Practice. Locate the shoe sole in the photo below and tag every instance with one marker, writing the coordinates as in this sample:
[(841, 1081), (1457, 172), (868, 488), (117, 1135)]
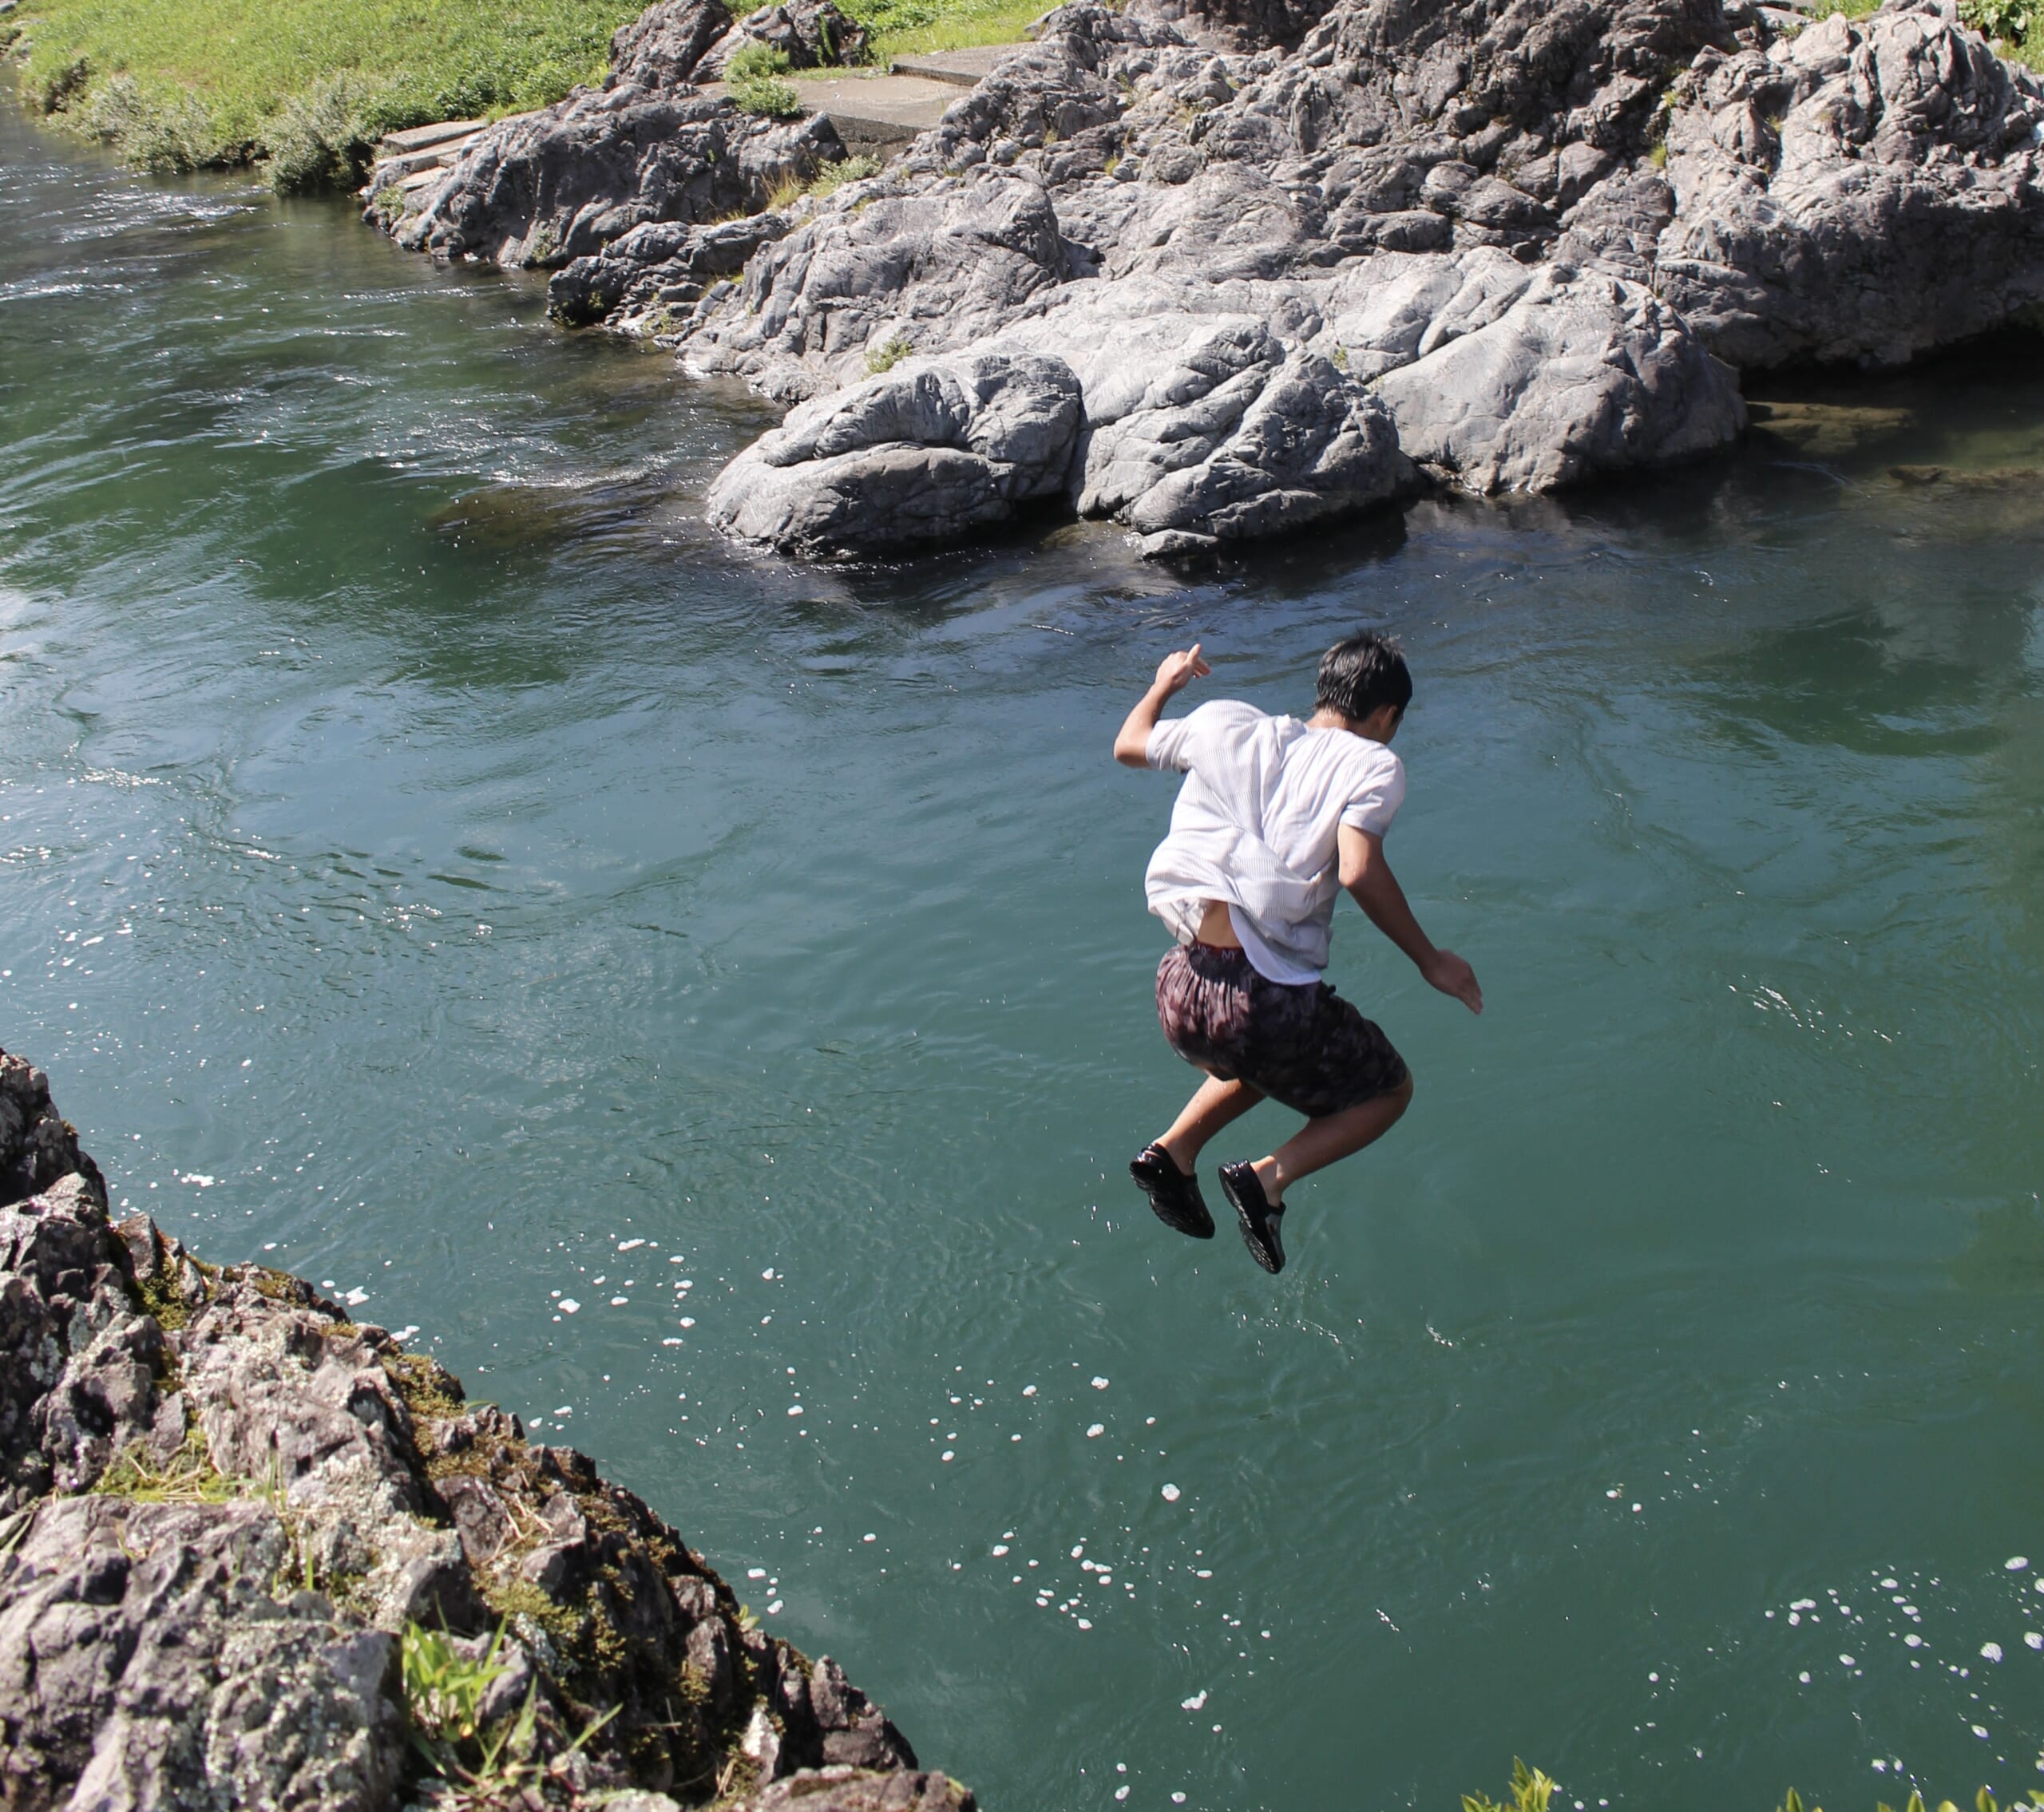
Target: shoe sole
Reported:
[(1243, 1217)]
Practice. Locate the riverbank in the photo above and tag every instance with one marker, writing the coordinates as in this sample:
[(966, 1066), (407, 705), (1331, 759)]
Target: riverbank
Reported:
[(305, 89), (318, 1575)]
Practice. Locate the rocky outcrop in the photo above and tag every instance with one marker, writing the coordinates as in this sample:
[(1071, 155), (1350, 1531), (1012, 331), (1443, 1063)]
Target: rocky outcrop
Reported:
[(227, 1514), (1542, 238), (1531, 241), (812, 34), (648, 148), (912, 455), (1864, 192)]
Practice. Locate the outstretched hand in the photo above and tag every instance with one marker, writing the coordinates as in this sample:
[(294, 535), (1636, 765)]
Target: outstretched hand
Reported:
[(1451, 975), (1176, 672)]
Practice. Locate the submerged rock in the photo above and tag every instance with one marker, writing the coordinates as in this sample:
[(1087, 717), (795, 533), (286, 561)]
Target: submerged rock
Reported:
[(224, 1505)]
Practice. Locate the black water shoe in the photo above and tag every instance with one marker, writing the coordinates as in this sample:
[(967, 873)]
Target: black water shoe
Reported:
[(1173, 1195), (1253, 1209)]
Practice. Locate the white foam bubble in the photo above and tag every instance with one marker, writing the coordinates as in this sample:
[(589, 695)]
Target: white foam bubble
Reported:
[(1171, 1493), (1195, 1703), (1099, 1384), (570, 1306), (1094, 1432), (1990, 1651)]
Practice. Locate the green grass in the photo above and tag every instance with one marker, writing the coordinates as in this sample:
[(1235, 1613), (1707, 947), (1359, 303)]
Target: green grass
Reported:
[(307, 86), (910, 27), (1531, 1790), (221, 81)]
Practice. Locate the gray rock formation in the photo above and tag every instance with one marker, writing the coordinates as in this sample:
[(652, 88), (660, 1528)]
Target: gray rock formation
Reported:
[(1543, 238), (225, 1509), (1864, 192), (812, 34), (647, 148), (918, 454), (1538, 239)]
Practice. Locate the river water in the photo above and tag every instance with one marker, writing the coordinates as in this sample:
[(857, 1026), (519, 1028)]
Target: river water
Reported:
[(692, 991)]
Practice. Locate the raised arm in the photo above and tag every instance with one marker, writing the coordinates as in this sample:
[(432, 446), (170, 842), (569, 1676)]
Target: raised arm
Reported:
[(1174, 675), (1367, 877)]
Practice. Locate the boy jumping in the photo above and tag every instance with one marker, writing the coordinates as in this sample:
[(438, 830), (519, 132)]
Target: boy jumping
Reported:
[(1274, 813)]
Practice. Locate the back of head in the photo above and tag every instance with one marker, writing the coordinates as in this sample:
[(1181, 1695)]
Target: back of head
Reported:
[(1361, 674)]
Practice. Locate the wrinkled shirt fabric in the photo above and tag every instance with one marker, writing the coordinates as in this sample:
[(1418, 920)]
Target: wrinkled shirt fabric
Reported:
[(1257, 824)]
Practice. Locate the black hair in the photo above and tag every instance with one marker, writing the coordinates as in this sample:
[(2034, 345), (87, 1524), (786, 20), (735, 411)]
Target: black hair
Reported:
[(1358, 676)]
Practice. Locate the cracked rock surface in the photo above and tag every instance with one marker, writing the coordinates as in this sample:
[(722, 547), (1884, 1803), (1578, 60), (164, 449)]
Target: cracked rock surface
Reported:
[(221, 1503)]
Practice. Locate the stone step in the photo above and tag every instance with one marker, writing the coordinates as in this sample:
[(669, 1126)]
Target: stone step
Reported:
[(871, 114), (437, 157), (418, 138), (962, 69)]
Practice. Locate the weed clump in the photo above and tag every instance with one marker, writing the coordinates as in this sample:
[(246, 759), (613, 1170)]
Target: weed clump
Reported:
[(169, 135), (325, 138), (483, 1765), (1530, 1791), (834, 176), (756, 78), (887, 355), (187, 1477)]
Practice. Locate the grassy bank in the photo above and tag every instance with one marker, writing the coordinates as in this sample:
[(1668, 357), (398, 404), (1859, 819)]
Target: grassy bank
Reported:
[(180, 83), (305, 87)]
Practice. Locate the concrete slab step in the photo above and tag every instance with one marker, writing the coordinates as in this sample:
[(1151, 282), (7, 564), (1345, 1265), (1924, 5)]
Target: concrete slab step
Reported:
[(871, 112), (436, 157), (962, 69), (418, 138)]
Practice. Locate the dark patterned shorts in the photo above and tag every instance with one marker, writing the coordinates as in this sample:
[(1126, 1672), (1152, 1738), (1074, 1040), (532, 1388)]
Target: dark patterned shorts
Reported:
[(1304, 1046)]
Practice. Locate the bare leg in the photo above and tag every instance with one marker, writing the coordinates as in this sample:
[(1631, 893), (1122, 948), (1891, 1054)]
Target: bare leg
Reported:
[(1326, 1141), (1213, 1106)]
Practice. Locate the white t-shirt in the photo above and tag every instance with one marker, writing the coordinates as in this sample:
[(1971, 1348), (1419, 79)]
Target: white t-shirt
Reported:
[(1257, 824)]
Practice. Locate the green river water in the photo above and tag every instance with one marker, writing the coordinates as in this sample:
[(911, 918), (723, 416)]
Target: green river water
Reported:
[(429, 862)]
